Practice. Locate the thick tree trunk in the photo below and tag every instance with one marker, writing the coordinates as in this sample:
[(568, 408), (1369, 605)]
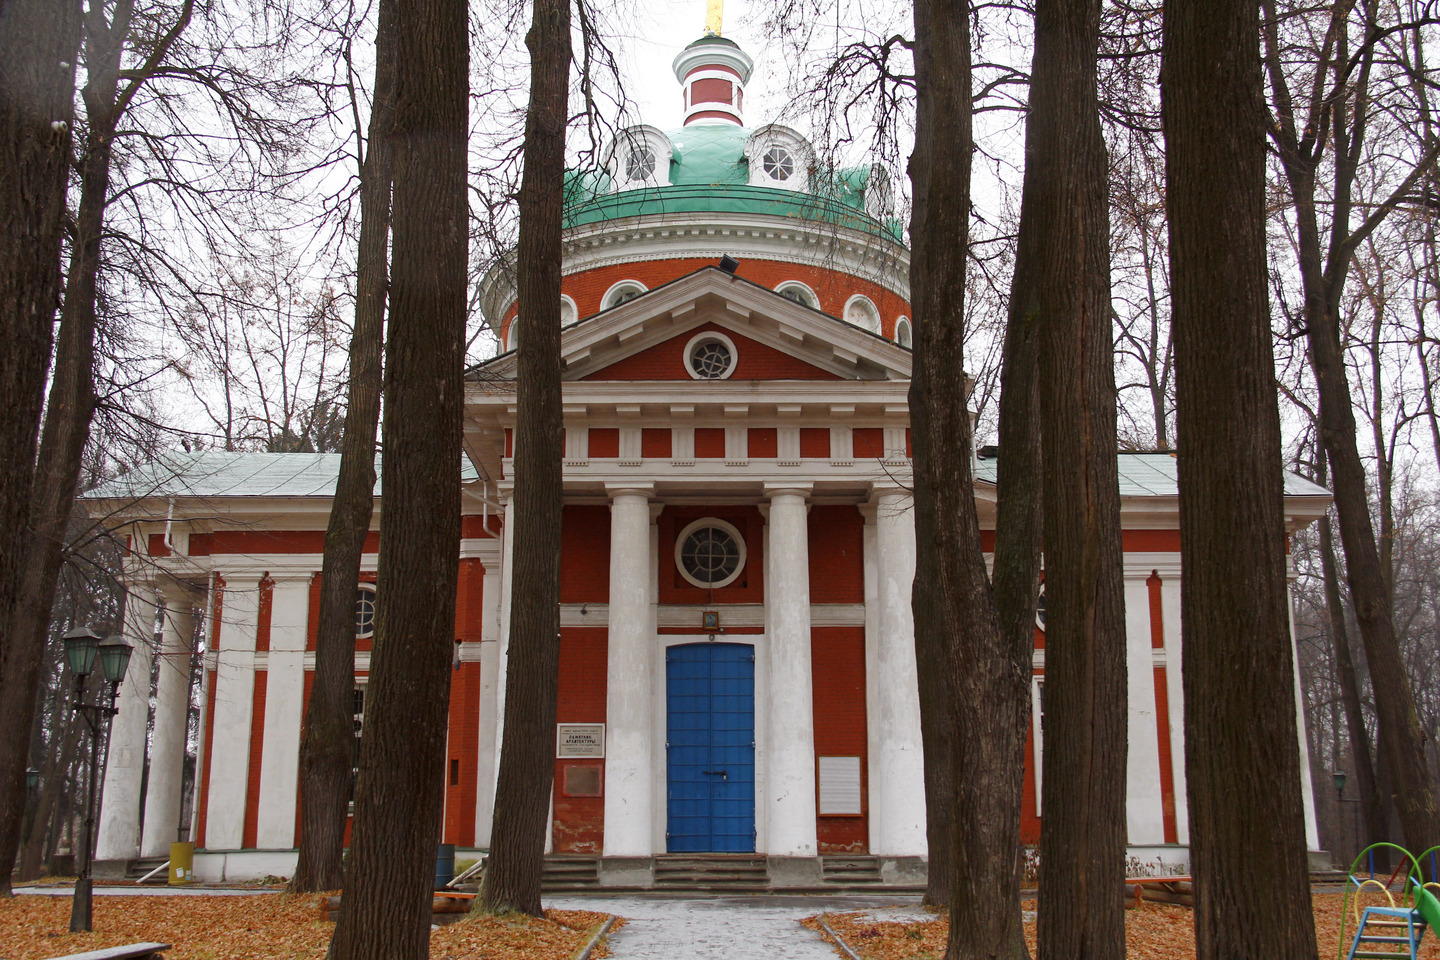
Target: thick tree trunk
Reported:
[(957, 628), (1360, 753), (39, 40), (1242, 750), (398, 800), (1065, 243), (328, 743), (522, 789)]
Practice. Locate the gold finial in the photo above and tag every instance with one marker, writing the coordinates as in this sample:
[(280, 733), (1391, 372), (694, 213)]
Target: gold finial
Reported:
[(713, 9)]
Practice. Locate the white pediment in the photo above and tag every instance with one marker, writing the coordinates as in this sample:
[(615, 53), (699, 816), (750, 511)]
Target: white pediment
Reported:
[(712, 296)]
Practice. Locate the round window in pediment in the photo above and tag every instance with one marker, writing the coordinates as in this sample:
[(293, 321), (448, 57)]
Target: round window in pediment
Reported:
[(778, 163), (640, 164), (710, 356), (710, 553)]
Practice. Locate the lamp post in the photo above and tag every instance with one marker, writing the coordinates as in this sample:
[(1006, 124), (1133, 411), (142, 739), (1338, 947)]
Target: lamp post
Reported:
[(1339, 778), (82, 647)]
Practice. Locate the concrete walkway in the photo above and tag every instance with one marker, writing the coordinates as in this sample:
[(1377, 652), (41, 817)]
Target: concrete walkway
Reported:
[(735, 928)]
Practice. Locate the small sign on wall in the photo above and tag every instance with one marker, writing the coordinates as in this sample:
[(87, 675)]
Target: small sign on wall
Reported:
[(579, 740), (840, 787)]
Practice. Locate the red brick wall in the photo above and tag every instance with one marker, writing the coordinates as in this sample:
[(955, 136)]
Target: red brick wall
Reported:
[(604, 442), (585, 553), (469, 588), (580, 821), (157, 545), (762, 443), (265, 614), (312, 623), (747, 588), (709, 443), (868, 443), (753, 361), (462, 755), (209, 739), (836, 538), (267, 541), (837, 659), (832, 287), (655, 442), (257, 746), (815, 442)]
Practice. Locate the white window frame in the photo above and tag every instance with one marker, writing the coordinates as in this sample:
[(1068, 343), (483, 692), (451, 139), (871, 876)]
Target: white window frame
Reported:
[(811, 300), (706, 337), (859, 302), (907, 341), (607, 301), (700, 524)]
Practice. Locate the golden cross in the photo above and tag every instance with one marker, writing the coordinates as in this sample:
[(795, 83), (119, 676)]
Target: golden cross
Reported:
[(713, 9)]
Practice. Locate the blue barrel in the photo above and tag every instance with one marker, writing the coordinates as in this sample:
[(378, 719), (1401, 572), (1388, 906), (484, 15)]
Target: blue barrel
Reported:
[(444, 865)]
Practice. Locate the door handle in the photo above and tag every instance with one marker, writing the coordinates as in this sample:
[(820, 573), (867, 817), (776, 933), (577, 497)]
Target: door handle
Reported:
[(720, 773)]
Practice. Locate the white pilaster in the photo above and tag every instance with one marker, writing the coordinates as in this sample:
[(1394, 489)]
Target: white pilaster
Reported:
[(630, 682), (284, 705), (167, 743), (790, 781), (1144, 805), (507, 570), (234, 695), (118, 832), (489, 664), (897, 762)]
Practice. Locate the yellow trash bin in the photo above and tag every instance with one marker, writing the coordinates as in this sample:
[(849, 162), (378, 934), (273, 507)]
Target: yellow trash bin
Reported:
[(182, 862)]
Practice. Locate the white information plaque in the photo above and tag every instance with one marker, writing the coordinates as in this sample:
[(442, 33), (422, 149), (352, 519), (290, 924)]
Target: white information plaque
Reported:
[(579, 740), (839, 786)]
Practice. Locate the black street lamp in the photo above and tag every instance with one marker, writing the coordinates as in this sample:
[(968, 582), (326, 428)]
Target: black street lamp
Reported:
[(82, 647)]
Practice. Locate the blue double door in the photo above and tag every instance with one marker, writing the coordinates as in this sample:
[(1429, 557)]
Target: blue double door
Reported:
[(710, 747)]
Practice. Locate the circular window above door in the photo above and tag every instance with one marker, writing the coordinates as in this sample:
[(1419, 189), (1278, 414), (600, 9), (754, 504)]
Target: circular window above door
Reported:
[(710, 553)]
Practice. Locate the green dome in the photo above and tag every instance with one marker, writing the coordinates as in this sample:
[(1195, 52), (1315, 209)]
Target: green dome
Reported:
[(709, 173)]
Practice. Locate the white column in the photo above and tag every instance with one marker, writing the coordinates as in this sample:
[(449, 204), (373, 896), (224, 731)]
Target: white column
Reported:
[(1144, 805), (507, 571), (897, 761), (284, 706), (790, 781), (167, 744), (118, 832), (1307, 785), (630, 683), (234, 695), (486, 754)]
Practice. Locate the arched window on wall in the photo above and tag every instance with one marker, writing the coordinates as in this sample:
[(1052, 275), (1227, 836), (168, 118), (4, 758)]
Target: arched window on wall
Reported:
[(621, 292), (860, 311), (800, 293), (512, 333), (903, 334)]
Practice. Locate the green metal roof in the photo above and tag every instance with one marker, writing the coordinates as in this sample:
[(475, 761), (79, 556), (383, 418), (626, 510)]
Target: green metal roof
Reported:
[(1153, 475), (218, 473)]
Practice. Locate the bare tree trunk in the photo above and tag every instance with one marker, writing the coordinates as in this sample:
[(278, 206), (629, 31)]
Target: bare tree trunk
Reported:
[(957, 628), (1242, 749), (328, 743), (39, 40), (386, 908), (522, 789), (1082, 840)]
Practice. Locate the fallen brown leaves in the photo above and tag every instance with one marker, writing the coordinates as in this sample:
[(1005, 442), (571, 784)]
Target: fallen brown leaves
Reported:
[(271, 926), (1152, 932)]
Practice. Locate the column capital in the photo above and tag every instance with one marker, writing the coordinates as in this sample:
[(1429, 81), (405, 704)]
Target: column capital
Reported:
[(884, 489), (788, 488), (630, 488)]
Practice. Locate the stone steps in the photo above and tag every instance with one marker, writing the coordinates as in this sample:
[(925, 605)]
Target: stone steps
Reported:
[(717, 873), (855, 871)]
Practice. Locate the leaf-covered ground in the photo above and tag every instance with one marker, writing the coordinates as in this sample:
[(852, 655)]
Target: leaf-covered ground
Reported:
[(265, 926), (1152, 932)]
